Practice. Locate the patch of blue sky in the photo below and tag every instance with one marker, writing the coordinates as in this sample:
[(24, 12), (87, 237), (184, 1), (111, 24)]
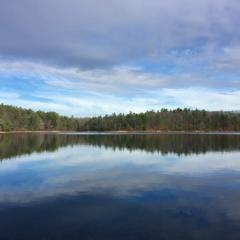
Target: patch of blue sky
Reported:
[(20, 82), (177, 61), (162, 67), (30, 86)]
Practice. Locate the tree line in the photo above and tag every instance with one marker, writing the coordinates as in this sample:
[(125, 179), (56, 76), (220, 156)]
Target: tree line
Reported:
[(167, 120), (15, 118)]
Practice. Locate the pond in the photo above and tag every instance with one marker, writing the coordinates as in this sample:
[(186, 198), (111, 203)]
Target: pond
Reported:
[(119, 186)]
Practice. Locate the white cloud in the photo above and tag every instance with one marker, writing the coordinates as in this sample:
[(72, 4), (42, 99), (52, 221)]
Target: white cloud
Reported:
[(205, 98), (72, 91), (93, 104)]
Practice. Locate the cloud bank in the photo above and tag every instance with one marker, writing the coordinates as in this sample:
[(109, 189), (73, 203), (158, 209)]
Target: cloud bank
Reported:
[(105, 56)]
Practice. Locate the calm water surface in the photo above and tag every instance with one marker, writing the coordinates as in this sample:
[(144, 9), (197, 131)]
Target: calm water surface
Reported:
[(142, 186)]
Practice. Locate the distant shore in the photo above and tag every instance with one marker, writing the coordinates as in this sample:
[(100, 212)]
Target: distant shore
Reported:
[(15, 120), (121, 132), (28, 131)]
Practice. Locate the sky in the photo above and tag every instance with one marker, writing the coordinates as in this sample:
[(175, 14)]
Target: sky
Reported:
[(96, 57)]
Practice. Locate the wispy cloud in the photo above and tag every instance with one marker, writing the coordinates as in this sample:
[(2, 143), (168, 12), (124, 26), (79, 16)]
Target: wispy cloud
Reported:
[(90, 104)]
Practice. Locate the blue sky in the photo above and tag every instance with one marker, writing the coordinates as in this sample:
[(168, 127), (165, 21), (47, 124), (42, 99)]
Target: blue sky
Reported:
[(94, 57)]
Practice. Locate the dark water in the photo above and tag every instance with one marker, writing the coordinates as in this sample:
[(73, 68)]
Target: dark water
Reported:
[(170, 186)]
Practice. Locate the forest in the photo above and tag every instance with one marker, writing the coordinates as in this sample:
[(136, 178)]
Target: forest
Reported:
[(19, 119)]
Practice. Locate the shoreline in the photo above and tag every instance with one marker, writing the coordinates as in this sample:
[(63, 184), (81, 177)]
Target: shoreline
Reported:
[(29, 131), (119, 132)]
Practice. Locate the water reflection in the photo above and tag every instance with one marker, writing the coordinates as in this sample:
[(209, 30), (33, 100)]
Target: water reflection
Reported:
[(17, 144), (119, 186)]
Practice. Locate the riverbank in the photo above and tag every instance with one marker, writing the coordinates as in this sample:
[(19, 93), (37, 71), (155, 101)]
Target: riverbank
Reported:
[(23, 131), (120, 132)]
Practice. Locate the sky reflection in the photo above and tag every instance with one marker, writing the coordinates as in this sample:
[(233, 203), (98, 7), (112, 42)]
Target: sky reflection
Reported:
[(84, 168)]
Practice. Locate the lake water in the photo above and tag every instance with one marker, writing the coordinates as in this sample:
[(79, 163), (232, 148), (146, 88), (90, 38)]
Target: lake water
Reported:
[(127, 186)]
